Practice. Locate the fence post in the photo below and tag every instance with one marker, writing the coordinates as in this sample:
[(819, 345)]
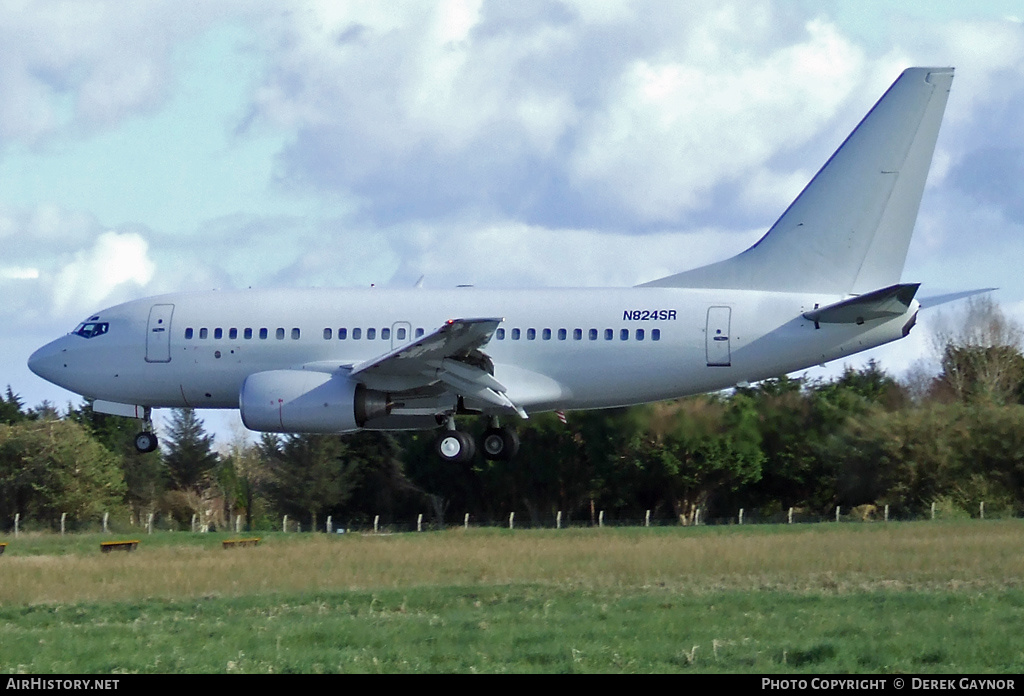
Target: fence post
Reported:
[(284, 524), (106, 516), (330, 526), (149, 523), (600, 519), (511, 520), (933, 509), (886, 512), (193, 523), (558, 520), (791, 516), (17, 521), (419, 522), (238, 523), (837, 513), (981, 510), (376, 523), (741, 515), (647, 519), (465, 522), (63, 518)]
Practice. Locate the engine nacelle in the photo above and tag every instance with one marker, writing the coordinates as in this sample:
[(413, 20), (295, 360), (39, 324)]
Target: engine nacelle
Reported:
[(297, 401)]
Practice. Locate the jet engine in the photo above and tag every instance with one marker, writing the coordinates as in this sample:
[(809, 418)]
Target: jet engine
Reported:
[(281, 401)]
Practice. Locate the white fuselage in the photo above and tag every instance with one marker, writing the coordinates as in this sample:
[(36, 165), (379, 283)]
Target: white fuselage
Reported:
[(555, 348)]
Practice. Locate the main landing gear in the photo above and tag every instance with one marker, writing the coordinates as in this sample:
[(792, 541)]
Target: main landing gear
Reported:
[(497, 443), (146, 441)]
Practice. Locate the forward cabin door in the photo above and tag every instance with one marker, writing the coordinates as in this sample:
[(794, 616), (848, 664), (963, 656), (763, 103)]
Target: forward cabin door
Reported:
[(717, 337), (158, 334)]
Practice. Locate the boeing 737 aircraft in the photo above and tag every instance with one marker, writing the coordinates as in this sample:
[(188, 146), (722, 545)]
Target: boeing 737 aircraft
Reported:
[(823, 283)]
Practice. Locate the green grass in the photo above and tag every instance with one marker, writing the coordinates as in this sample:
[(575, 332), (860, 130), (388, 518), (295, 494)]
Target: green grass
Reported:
[(524, 628), (906, 598)]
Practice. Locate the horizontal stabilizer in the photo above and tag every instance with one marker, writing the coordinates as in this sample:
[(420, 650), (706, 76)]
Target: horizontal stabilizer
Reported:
[(936, 300), (886, 303)]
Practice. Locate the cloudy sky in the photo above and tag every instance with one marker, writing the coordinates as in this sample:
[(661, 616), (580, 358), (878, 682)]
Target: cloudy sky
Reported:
[(156, 146)]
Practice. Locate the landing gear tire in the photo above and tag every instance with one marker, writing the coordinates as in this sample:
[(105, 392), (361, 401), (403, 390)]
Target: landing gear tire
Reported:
[(499, 443), (455, 446), (145, 442)]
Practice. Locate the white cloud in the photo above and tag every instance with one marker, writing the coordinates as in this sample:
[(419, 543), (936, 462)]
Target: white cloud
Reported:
[(675, 129), (94, 275), (89, 64)]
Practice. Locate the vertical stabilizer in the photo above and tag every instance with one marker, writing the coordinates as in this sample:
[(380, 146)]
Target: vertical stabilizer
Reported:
[(848, 231)]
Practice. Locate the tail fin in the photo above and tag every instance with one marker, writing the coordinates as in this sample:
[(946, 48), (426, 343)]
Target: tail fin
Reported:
[(849, 230)]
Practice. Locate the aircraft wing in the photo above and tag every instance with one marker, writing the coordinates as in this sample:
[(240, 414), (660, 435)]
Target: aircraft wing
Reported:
[(450, 355)]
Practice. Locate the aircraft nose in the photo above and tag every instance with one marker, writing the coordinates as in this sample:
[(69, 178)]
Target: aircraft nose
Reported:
[(48, 360)]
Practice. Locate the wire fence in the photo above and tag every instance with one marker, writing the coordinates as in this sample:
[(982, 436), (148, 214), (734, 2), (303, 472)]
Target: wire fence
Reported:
[(154, 522)]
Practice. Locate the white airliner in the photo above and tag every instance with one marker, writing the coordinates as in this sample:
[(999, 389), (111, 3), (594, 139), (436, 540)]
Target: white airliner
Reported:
[(823, 283)]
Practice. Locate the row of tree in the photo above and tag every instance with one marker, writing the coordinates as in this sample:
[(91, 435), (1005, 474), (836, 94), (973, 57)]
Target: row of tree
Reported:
[(956, 438)]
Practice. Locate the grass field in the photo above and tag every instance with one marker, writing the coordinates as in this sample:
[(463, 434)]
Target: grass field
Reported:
[(921, 597)]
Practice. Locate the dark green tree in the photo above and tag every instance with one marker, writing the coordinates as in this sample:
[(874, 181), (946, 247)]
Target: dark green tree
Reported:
[(189, 457), (49, 467), (308, 474), (11, 410), (144, 474)]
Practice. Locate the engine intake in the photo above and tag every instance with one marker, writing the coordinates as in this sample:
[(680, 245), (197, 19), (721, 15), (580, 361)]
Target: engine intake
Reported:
[(297, 401)]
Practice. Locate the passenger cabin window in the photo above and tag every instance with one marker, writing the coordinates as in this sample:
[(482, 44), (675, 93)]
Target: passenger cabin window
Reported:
[(218, 334), (624, 334), (655, 334), (263, 334), (639, 334), (232, 334), (501, 334), (342, 334), (609, 334), (385, 334), (546, 334), (371, 334), (577, 334), (188, 334), (419, 333), (515, 334), (280, 334), (203, 333), (247, 334), (327, 334), (357, 334), (400, 334), (593, 334), (561, 334), (295, 334), (531, 334)]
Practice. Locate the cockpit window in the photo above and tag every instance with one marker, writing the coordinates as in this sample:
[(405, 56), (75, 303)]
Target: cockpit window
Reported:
[(91, 329)]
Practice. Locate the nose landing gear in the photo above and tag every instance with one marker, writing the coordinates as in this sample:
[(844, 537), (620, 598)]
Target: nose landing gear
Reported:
[(146, 441)]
